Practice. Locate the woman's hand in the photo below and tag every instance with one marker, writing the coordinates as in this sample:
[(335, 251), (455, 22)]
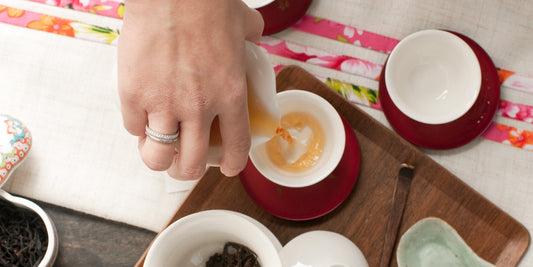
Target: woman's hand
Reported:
[(180, 65)]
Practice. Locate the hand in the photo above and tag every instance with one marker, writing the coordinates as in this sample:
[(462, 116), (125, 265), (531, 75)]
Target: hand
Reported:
[(181, 65)]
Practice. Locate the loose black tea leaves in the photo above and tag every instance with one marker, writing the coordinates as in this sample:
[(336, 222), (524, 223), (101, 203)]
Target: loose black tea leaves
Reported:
[(234, 255), (23, 236)]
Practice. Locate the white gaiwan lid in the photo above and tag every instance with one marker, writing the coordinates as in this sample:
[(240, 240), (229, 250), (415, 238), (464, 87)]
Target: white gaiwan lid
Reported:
[(321, 249)]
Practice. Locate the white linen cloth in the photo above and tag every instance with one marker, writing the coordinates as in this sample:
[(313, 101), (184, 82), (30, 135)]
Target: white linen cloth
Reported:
[(64, 90)]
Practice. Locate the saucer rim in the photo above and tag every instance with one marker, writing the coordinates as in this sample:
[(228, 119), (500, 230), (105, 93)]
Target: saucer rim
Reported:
[(294, 214), (277, 19), (449, 135), (442, 118)]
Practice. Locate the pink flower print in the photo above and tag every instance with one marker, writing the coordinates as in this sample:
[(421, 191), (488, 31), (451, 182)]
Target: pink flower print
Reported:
[(516, 111)]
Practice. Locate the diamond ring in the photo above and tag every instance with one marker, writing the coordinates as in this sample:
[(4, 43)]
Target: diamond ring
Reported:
[(162, 138)]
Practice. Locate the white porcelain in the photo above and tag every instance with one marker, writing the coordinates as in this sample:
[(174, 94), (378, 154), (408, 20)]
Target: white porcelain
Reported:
[(432, 242), (53, 241), (257, 3), (322, 249), (335, 139), (433, 76), (262, 80), (191, 240)]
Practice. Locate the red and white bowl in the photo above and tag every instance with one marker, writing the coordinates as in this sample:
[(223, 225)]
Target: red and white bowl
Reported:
[(425, 121)]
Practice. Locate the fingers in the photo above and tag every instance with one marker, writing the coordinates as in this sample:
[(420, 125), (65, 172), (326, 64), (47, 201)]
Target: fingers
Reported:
[(156, 155), (134, 119), (189, 162), (254, 25), (157, 72), (235, 132)]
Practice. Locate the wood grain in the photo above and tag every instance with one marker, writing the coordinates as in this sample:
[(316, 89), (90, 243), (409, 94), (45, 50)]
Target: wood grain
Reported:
[(363, 216), (401, 192)]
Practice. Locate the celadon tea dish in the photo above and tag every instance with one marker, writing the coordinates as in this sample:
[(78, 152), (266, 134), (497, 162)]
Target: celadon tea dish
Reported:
[(432, 242)]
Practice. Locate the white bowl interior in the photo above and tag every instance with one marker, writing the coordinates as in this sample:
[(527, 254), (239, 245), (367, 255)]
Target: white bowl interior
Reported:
[(335, 138), (433, 76), (190, 241)]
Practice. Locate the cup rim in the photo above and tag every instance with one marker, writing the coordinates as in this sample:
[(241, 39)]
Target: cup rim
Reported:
[(460, 47), (215, 216), (312, 175)]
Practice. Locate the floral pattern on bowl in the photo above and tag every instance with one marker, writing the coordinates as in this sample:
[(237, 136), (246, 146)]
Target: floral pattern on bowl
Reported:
[(15, 143)]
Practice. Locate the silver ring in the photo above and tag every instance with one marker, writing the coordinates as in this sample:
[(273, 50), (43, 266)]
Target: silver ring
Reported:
[(162, 138)]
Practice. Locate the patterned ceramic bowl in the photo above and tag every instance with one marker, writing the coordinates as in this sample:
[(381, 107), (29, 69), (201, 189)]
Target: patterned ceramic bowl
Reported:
[(15, 143)]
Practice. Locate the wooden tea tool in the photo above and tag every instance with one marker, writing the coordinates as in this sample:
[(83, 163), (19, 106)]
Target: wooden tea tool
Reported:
[(395, 217)]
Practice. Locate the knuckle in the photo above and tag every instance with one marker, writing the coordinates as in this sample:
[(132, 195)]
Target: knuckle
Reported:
[(241, 146), (191, 172), (197, 101), (155, 158), (155, 165), (232, 169), (235, 159), (129, 93), (236, 93)]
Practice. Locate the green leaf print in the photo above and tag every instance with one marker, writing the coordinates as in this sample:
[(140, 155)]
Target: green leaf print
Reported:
[(353, 92), (342, 39)]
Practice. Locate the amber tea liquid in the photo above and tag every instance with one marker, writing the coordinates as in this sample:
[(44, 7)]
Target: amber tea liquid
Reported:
[(299, 142), (296, 141), (262, 123)]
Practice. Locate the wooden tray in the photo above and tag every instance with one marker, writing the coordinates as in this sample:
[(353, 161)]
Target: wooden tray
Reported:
[(363, 216)]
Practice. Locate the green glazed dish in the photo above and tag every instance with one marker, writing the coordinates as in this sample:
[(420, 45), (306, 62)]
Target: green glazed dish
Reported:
[(433, 242)]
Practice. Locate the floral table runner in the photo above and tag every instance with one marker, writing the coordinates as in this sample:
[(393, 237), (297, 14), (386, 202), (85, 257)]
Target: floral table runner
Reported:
[(497, 132)]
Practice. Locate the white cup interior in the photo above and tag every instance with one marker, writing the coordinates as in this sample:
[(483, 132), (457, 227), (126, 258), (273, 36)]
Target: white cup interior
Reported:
[(192, 240), (335, 138), (433, 76), (257, 3)]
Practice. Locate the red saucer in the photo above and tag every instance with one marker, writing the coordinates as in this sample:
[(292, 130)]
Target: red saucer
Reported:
[(460, 131), (281, 14), (307, 202)]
